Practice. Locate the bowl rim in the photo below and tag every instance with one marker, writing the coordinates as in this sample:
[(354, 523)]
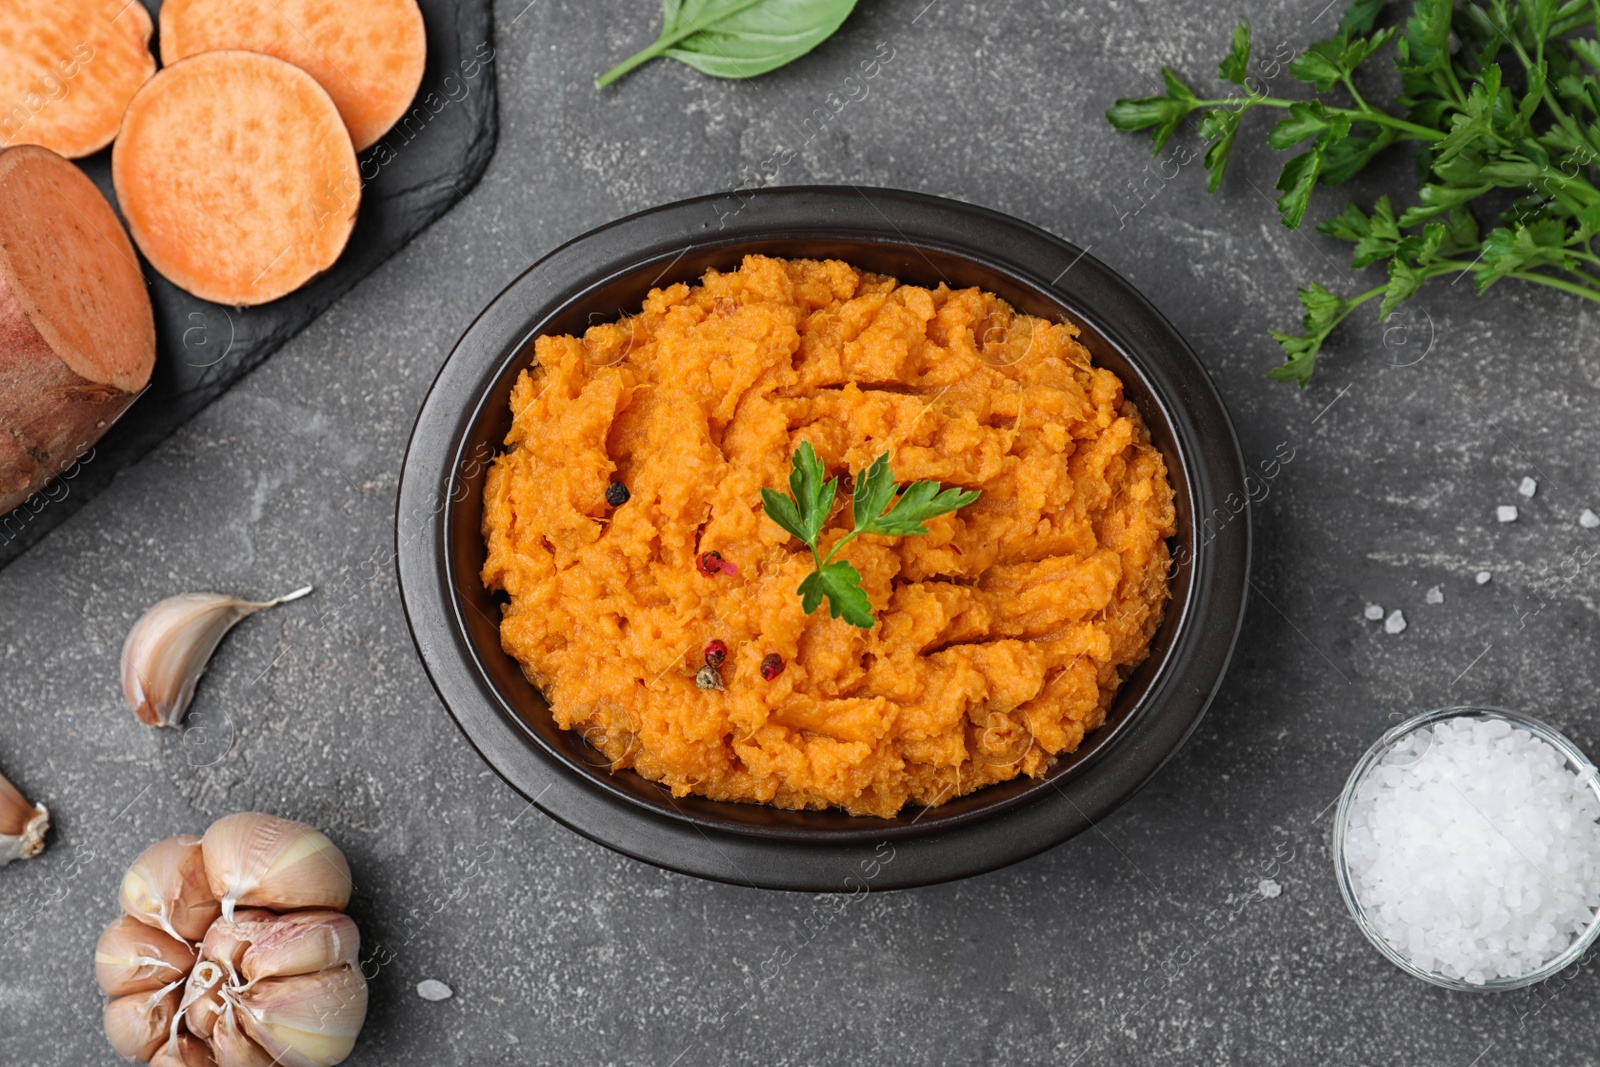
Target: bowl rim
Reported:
[(931, 225), (1577, 760)]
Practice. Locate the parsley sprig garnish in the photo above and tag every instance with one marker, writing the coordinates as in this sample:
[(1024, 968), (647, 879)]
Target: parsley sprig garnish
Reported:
[(1532, 127), (804, 512)]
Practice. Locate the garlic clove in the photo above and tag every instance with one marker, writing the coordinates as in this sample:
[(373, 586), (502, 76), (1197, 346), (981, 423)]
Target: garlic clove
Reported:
[(131, 957), (301, 943), (232, 1047), (167, 888), (263, 860), (22, 825), (227, 939), (183, 1050), (137, 1024), (170, 646), (306, 1020)]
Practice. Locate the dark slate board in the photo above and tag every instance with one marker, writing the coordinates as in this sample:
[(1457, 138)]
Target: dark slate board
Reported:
[(417, 172)]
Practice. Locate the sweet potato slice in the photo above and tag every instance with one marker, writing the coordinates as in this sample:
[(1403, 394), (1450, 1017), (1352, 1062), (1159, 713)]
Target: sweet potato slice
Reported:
[(236, 176), (77, 336), (68, 69), (368, 55)]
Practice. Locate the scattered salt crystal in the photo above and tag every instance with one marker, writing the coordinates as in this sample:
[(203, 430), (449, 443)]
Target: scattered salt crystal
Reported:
[(1528, 487), (1435, 595), (1395, 622), (433, 989), (1473, 849), (1268, 888), (1506, 513), (1588, 520), (1373, 612), (1482, 577)]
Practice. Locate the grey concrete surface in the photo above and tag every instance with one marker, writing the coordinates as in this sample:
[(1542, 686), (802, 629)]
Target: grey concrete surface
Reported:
[(1144, 942)]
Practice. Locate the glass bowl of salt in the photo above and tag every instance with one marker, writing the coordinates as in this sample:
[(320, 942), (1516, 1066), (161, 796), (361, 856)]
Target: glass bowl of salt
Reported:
[(1467, 848)]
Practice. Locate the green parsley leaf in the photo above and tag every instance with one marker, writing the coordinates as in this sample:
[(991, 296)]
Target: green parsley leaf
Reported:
[(1235, 66), (1360, 16), (840, 583), (804, 513)]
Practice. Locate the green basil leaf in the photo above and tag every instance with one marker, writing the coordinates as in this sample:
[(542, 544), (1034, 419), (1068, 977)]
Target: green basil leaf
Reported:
[(1235, 66), (738, 38)]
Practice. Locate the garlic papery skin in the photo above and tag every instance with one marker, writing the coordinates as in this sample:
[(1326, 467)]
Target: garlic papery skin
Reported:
[(232, 1047), (170, 646), (276, 863), (131, 957), (305, 1020), (137, 1024), (202, 998), (167, 887), (183, 1050), (300, 943), (22, 825)]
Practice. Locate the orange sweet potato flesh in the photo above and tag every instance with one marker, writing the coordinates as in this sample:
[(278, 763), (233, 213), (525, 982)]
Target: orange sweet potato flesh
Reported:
[(68, 69), (236, 175), (77, 335), (368, 55)]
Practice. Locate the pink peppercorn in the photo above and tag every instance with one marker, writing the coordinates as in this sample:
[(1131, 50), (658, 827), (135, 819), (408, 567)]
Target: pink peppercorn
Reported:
[(771, 666), (709, 563), (716, 652)]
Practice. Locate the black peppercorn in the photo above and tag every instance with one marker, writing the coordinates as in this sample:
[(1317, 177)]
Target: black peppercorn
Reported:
[(616, 494)]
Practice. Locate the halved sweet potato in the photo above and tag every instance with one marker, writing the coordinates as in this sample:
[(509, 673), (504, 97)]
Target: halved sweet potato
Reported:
[(68, 69), (236, 176), (77, 336), (368, 55)]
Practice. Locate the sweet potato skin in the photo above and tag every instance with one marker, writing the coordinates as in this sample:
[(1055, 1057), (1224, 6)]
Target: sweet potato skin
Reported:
[(77, 333), (68, 69), (368, 56)]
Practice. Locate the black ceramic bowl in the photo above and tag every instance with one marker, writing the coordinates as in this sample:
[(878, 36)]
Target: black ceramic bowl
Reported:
[(919, 239)]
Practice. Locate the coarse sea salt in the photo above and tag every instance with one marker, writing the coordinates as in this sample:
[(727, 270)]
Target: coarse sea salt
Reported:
[(1473, 849)]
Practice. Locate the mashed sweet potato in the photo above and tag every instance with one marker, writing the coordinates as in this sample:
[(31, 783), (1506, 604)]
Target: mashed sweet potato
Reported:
[(1002, 634)]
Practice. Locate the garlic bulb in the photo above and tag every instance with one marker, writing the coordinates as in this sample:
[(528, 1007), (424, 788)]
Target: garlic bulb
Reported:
[(274, 863), (137, 1024), (168, 649), (231, 982), (305, 1020), (22, 825), (183, 1050), (131, 957), (167, 888)]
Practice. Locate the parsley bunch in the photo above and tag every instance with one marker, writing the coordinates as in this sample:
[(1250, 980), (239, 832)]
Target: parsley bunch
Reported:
[(1501, 100), (804, 512)]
